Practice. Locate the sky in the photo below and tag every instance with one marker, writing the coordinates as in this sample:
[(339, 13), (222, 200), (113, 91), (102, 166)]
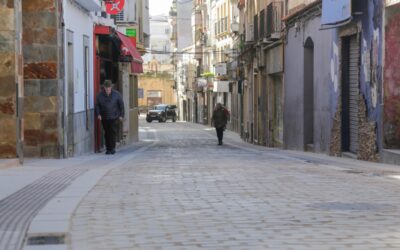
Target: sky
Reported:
[(158, 7)]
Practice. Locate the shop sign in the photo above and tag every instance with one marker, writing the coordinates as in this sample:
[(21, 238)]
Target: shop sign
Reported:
[(220, 69), (113, 7)]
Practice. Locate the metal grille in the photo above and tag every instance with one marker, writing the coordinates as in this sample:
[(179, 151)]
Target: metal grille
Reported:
[(354, 92)]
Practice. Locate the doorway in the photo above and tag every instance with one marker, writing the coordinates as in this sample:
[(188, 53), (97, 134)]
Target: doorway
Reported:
[(309, 94), (277, 136), (350, 93)]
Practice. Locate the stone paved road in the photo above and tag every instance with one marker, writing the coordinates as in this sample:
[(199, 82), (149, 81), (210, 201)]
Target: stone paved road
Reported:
[(185, 192)]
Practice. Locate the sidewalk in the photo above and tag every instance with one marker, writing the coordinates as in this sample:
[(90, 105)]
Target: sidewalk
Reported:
[(42, 194), (8, 163)]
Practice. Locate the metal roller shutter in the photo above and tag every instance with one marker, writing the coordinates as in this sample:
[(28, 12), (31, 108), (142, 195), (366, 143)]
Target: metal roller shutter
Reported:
[(354, 92)]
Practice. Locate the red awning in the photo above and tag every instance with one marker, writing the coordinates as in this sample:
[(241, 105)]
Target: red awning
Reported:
[(137, 61), (102, 30)]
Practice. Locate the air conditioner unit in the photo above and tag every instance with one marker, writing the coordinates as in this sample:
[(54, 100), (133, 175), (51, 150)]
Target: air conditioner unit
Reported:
[(266, 40)]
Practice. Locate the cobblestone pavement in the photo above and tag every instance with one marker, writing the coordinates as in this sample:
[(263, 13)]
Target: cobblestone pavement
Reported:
[(185, 192)]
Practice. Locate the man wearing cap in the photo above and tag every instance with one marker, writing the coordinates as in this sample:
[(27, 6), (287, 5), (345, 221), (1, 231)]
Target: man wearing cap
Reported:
[(109, 110)]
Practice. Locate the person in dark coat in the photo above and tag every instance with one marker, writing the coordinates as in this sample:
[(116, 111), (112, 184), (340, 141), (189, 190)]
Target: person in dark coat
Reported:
[(109, 110), (219, 119)]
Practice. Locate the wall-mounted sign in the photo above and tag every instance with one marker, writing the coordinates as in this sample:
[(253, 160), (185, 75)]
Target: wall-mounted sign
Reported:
[(131, 33), (220, 69), (221, 86), (201, 82), (140, 93), (336, 12), (114, 7)]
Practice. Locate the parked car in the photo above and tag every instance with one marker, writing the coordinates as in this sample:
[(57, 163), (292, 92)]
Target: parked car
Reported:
[(162, 113)]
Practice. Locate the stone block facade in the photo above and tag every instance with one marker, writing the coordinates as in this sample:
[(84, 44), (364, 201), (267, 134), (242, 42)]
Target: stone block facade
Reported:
[(42, 58), (8, 73)]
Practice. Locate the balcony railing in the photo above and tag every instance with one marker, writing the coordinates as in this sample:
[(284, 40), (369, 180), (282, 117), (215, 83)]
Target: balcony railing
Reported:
[(274, 23), (221, 26)]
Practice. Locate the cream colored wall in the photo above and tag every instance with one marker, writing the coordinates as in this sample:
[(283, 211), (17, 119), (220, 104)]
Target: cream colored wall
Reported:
[(293, 4), (159, 84)]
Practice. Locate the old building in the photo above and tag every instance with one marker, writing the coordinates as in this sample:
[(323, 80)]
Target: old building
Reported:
[(60, 45), (181, 39), (156, 89), (391, 83), (333, 78), (307, 106)]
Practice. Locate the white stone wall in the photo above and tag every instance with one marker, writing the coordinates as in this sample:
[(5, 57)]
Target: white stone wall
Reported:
[(80, 22)]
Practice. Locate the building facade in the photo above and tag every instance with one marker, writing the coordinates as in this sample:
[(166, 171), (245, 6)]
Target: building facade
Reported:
[(54, 51), (11, 82)]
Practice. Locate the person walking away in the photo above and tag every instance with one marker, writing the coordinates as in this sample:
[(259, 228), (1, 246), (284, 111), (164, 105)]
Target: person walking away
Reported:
[(219, 119), (109, 110)]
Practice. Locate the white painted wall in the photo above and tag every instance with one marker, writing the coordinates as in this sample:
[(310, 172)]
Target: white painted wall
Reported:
[(160, 40), (80, 22)]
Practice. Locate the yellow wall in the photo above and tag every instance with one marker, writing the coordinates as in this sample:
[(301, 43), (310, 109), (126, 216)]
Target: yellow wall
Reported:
[(163, 84)]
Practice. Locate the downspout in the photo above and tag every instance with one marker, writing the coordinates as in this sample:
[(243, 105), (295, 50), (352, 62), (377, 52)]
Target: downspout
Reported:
[(19, 81)]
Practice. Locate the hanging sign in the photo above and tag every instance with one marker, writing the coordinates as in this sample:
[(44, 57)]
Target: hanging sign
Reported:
[(114, 7)]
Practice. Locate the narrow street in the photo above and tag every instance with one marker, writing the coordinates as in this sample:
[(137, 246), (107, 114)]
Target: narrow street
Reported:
[(185, 192), (177, 189)]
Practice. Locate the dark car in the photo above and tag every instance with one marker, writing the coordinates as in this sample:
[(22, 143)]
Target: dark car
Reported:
[(162, 113)]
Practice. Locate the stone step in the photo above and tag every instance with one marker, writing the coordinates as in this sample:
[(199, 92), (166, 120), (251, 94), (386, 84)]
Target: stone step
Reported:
[(391, 156), (8, 163)]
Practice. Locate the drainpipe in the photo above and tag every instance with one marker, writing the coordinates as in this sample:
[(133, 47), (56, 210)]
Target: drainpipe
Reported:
[(19, 81)]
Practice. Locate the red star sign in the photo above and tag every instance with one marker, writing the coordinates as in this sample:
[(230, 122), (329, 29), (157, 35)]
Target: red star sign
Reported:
[(114, 7)]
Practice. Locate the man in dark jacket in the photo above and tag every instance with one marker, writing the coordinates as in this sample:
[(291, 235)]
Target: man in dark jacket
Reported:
[(109, 110), (219, 119)]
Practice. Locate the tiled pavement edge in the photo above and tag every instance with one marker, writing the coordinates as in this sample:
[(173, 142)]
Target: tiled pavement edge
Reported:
[(54, 218), (26, 189)]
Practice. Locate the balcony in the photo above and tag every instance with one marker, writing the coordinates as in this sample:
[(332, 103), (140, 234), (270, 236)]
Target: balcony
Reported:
[(274, 21), (249, 33), (90, 5)]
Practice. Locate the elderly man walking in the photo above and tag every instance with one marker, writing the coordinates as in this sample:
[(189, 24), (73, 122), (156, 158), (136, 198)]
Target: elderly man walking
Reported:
[(220, 118), (110, 110)]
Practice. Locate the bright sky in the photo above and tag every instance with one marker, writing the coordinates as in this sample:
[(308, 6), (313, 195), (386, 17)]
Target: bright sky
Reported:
[(158, 7)]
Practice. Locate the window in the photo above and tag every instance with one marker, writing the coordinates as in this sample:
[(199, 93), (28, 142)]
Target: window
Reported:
[(120, 17)]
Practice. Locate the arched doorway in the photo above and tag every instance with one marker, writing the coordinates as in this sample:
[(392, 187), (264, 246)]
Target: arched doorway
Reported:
[(309, 94)]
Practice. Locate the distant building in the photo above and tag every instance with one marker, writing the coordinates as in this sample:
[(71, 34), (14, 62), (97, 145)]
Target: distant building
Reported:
[(160, 41)]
